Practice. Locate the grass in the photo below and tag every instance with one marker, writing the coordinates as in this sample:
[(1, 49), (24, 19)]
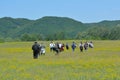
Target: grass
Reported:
[(99, 63)]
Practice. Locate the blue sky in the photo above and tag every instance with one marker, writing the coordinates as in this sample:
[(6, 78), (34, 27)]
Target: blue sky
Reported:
[(86, 11)]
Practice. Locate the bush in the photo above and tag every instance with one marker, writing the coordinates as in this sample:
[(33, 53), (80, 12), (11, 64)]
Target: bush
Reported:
[(2, 40)]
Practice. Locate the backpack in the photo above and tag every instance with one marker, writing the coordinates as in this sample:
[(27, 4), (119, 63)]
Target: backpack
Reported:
[(73, 46), (35, 47)]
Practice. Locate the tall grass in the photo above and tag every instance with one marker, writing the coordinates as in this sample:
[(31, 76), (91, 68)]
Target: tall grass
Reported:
[(98, 63)]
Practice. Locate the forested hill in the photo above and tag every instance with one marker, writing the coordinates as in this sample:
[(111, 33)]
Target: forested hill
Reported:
[(53, 25), (10, 27), (105, 23), (50, 27)]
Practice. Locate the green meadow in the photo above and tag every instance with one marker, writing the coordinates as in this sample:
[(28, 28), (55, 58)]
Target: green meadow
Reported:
[(99, 63)]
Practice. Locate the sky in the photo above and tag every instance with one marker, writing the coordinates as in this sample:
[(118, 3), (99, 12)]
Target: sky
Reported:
[(86, 11)]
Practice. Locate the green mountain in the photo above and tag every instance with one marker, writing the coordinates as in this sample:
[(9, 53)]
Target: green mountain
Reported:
[(52, 25), (105, 23), (49, 26), (46, 25), (8, 25)]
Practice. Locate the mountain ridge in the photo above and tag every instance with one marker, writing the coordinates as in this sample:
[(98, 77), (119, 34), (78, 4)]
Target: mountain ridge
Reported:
[(48, 25)]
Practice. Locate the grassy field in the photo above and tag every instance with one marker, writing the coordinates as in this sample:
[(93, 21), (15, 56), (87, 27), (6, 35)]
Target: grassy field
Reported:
[(99, 63)]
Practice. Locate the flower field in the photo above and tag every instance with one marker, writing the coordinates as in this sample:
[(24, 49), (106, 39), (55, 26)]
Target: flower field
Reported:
[(99, 63)]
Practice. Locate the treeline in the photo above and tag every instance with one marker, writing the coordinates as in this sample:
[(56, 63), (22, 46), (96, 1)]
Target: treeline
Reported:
[(13, 28), (95, 33), (34, 37), (100, 33)]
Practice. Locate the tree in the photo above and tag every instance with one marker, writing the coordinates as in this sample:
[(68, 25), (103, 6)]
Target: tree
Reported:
[(115, 33), (2, 40), (29, 37), (98, 32)]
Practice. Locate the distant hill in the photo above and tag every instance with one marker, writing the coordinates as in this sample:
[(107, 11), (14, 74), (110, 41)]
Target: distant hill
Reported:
[(105, 23), (8, 25), (48, 25)]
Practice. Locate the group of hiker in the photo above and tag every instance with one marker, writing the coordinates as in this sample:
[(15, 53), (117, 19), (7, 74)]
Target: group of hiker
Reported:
[(56, 47), (85, 45), (39, 49), (82, 46)]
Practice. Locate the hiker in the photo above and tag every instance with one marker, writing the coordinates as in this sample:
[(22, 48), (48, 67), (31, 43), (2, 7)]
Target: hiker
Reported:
[(81, 46), (56, 49), (51, 46), (36, 50), (62, 47), (42, 51), (67, 46), (91, 44), (86, 45), (73, 46)]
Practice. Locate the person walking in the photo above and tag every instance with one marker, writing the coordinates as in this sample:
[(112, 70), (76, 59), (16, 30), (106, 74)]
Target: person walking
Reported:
[(86, 45), (73, 46), (36, 50), (67, 46), (81, 46), (52, 45)]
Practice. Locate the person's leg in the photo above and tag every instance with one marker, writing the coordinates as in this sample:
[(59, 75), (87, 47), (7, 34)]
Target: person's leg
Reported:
[(73, 49), (36, 54), (81, 49)]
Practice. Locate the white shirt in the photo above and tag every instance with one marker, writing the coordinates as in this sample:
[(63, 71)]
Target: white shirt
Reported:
[(52, 45)]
